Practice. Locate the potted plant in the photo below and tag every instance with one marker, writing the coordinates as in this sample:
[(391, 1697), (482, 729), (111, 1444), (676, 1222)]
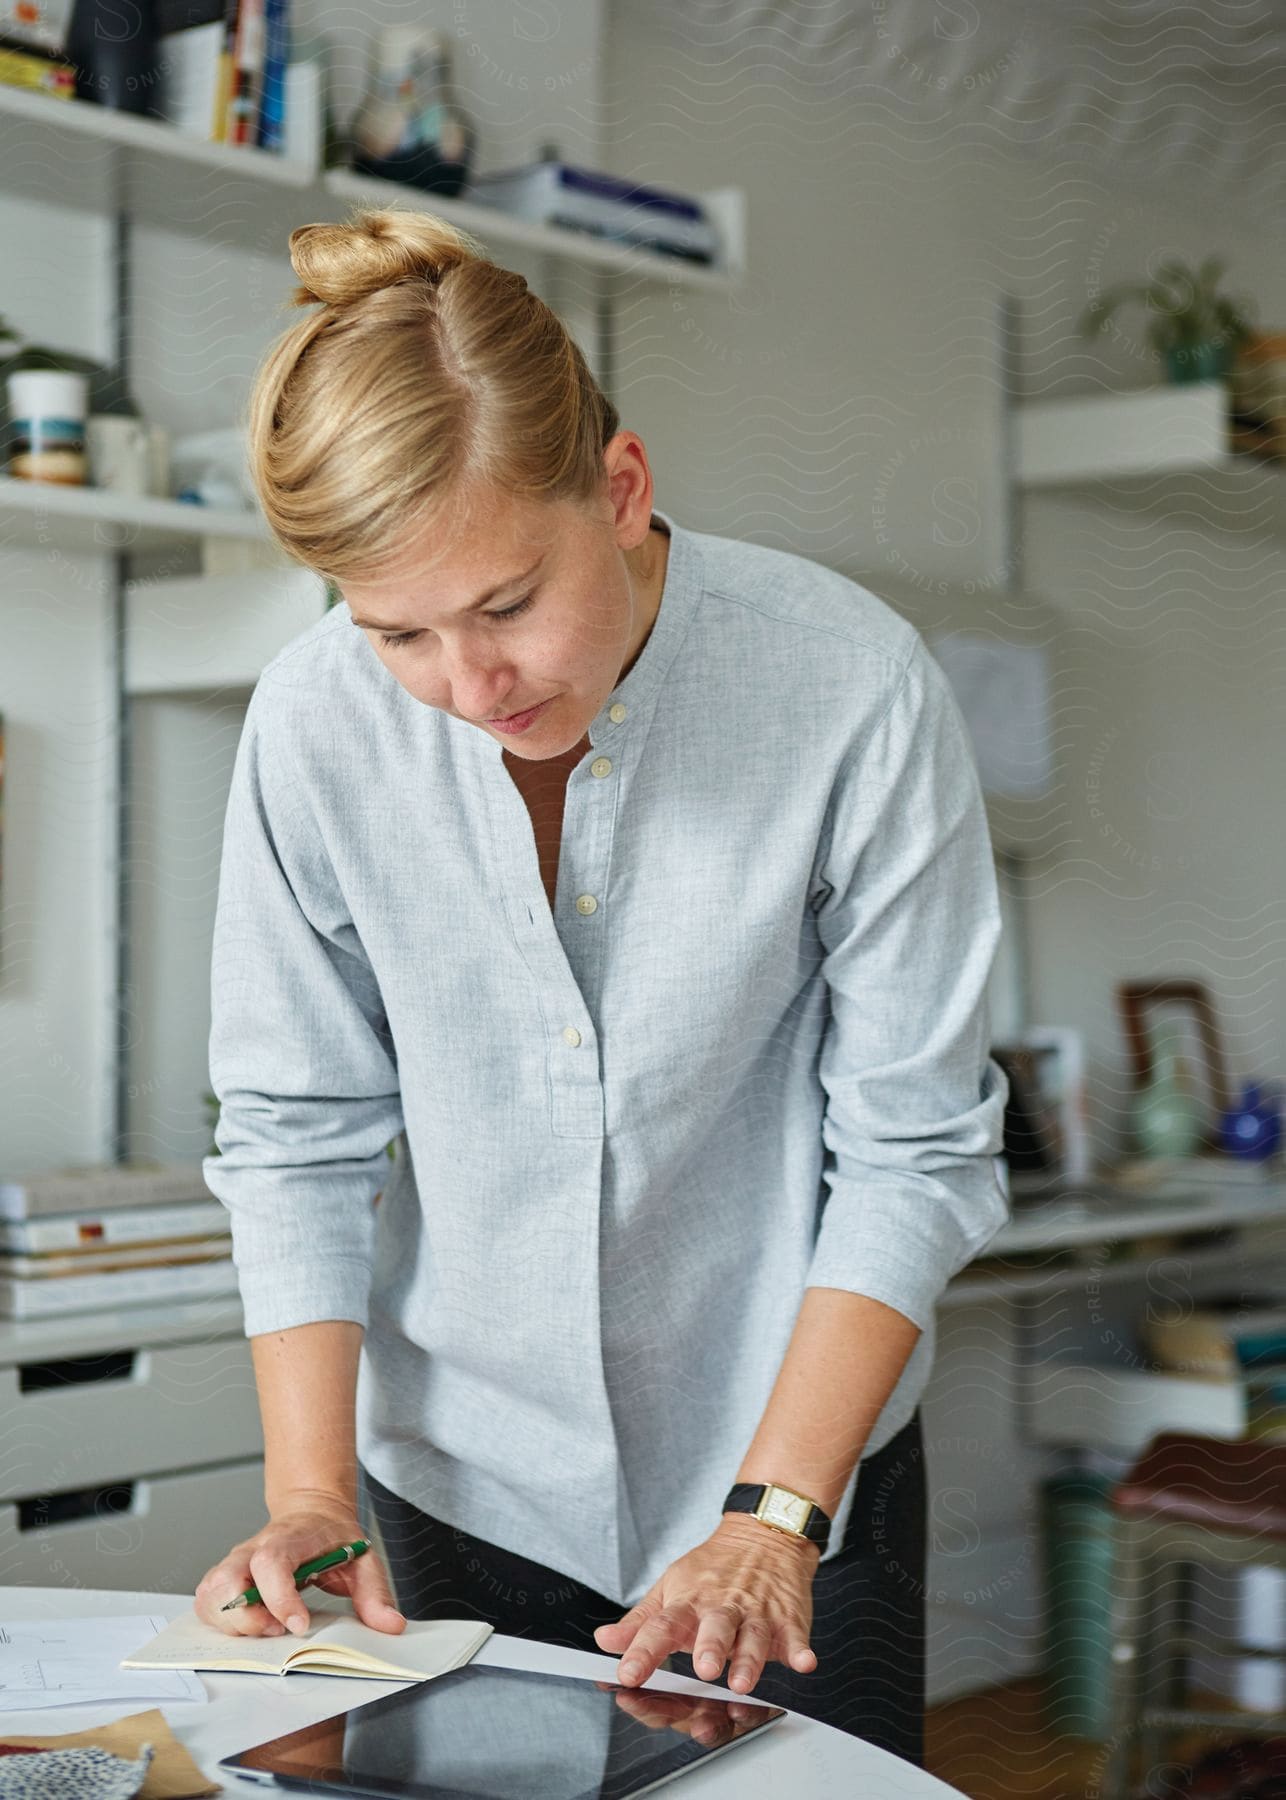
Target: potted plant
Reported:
[(1197, 329), (106, 393)]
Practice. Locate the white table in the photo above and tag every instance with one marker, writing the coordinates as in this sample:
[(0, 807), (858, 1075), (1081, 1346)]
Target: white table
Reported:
[(796, 1755)]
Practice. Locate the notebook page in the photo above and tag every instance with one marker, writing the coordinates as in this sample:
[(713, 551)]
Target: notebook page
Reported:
[(423, 1649), (187, 1643)]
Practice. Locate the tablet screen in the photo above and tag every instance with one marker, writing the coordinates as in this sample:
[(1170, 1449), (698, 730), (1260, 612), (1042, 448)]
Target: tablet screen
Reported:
[(483, 1733)]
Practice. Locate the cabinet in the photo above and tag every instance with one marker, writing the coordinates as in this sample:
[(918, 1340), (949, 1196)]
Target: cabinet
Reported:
[(122, 1428)]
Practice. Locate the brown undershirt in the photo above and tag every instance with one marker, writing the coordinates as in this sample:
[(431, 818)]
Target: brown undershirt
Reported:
[(543, 786)]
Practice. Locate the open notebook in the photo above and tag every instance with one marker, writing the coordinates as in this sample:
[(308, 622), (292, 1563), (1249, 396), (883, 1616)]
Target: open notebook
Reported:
[(336, 1643)]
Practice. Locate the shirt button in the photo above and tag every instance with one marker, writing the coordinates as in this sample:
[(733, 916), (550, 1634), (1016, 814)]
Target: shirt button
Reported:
[(617, 713), (601, 765), (586, 903), (571, 1035)]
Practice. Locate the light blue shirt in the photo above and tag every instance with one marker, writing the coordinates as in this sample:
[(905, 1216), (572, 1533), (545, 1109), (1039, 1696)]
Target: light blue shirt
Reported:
[(747, 1052)]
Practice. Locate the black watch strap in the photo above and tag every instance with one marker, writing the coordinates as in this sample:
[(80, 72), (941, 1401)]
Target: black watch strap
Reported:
[(745, 1496)]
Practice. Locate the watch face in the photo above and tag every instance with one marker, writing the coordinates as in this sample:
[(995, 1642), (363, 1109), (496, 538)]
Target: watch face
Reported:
[(780, 1507)]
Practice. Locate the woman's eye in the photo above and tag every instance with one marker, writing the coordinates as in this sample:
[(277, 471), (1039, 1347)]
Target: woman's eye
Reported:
[(508, 612), (512, 612)]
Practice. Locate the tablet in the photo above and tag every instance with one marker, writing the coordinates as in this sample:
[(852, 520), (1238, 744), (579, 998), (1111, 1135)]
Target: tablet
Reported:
[(484, 1733)]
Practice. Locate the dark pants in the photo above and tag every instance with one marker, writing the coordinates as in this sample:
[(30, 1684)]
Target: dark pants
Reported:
[(868, 1602)]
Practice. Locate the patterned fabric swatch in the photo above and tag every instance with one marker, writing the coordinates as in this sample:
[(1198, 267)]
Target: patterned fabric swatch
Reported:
[(85, 1772)]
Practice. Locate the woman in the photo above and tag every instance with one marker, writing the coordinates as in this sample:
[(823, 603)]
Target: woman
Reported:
[(635, 883)]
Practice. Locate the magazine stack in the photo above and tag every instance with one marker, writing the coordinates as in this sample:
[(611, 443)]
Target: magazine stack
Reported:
[(120, 1234)]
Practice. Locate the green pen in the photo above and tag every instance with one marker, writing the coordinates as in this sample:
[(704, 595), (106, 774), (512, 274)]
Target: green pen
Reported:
[(305, 1571)]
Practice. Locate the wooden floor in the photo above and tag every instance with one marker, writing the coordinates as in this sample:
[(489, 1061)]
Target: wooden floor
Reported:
[(996, 1746)]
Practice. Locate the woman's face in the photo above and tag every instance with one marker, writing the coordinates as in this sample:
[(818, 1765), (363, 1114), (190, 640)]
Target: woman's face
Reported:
[(534, 601)]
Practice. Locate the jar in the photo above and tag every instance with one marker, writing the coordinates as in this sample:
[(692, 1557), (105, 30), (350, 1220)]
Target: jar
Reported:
[(410, 127), (47, 410), (1167, 1115)]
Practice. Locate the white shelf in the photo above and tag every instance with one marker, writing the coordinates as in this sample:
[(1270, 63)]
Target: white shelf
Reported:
[(726, 206), (1099, 1216), (99, 522), (155, 140), (972, 1289), (46, 129), (1156, 450)]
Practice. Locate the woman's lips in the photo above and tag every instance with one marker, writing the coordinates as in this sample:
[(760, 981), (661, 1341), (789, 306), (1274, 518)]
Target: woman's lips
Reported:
[(519, 721)]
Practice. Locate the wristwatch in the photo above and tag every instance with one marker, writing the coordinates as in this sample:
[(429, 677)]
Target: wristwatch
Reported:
[(781, 1508)]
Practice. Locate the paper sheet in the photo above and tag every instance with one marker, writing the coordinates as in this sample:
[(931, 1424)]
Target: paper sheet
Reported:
[(74, 1662)]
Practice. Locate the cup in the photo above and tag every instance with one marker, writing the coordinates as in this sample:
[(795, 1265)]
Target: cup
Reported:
[(119, 453), (47, 425)]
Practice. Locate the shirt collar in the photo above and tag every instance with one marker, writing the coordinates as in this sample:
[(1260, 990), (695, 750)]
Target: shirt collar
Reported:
[(680, 592)]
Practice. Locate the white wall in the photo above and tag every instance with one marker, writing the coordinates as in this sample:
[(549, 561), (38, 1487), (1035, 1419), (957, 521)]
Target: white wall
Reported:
[(57, 973), (847, 404)]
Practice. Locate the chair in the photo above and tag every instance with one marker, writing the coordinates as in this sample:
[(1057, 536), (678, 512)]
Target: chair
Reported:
[(1188, 1500)]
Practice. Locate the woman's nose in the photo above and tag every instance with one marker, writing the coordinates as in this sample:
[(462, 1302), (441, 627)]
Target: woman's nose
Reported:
[(479, 685)]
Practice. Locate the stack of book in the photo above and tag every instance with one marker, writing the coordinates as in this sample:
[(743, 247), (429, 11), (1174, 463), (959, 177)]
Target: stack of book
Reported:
[(223, 71), (1239, 1338), (227, 73), (122, 1234), (550, 192)]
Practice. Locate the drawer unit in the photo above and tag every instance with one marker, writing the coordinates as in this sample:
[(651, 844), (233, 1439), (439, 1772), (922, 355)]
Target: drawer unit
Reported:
[(78, 1421), (159, 1534), (1111, 1407)]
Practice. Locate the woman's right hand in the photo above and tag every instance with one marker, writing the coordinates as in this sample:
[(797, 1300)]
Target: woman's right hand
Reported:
[(295, 1534)]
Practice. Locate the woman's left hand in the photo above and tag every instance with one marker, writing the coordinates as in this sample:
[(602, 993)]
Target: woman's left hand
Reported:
[(745, 1595)]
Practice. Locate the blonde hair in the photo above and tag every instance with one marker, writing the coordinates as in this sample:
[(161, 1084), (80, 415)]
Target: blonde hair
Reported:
[(429, 373)]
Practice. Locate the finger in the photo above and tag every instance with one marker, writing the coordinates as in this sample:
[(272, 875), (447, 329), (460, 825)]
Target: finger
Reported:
[(241, 1621), (800, 1654), (372, 1594), (749, 1654), (670, 1629), (716, 1635), (251, 1621), (272, 1569), (615, 1636), (225, 1582)]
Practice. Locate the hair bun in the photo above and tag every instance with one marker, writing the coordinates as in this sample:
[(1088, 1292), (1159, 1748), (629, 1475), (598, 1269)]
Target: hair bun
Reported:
[(337, 264)]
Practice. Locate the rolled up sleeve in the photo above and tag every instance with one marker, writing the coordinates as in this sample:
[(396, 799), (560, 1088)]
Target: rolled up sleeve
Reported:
[(909, 918), (301, 1059)]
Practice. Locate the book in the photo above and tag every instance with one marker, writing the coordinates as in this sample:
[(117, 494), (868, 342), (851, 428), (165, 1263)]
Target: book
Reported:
[(42, 1264), (93, 1186), (192, 60), (223, 87), (1219, 1338), (92, 1229), (555, 193), (336, 1643), (271, 132), (22, 1297), (247, 73), (28, 67)]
